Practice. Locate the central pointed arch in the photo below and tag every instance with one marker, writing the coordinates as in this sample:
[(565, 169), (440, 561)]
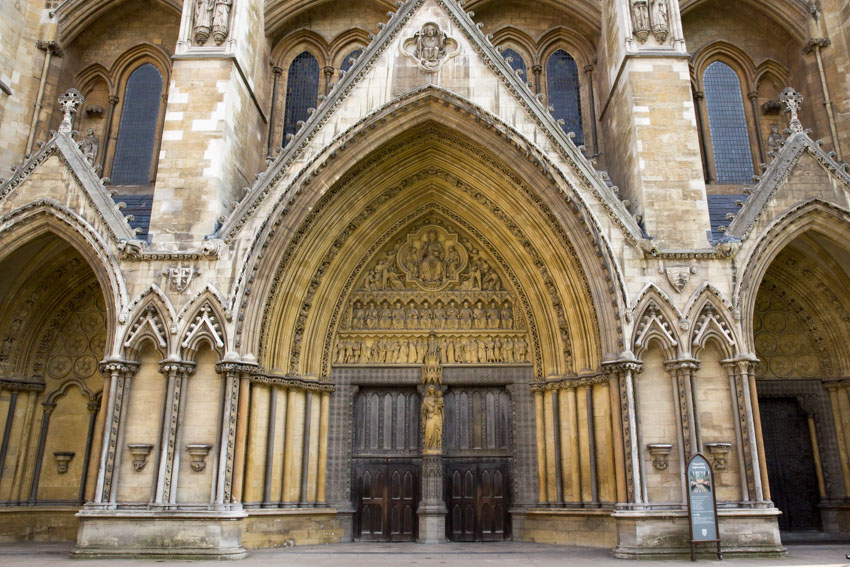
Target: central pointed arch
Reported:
[(494, 183)]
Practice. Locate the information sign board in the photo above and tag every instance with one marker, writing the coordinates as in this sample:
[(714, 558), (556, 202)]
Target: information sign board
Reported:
[(702, 504)]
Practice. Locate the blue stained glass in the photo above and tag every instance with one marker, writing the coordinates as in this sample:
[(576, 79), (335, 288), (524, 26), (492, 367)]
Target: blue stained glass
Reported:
[(733, 159), (348, 60), (517, 63), (137, 130), (302, 91), (564, 93)]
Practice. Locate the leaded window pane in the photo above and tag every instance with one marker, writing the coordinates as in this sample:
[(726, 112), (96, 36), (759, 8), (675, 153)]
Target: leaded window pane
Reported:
[(564, 93), (302, 91), (348, 60), (137, 130), (733, 160), (517, 63)]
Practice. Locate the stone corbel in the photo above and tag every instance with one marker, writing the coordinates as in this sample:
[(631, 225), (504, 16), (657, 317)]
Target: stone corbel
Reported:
[(62, 460), (198, 454), (719, 452), (660, 455), (140, 452)]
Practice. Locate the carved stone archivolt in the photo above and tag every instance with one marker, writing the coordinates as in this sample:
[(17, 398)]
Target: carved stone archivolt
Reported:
[(432, 289)]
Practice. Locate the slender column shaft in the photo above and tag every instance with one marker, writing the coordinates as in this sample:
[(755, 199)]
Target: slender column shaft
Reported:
[(541, 448), (294, 448), (321, 479), (570, 471), (551, 457), (42, 439), (241, 438), (276, 73), (841, 435)]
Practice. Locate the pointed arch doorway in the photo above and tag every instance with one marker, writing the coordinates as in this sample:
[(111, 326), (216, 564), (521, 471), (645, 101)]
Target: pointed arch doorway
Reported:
[(432, 305)]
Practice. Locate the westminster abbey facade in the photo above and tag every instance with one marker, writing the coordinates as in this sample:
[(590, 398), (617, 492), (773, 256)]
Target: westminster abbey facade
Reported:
[(286, 271)]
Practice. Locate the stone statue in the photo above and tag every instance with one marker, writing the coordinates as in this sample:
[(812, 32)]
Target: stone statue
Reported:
[(640, 20), (221, 20), (372, 317), (433, 411), (508, 350), (660, 21), (430, 45), (412, 316), (465, 316), (398, 316), (451, 315), (439, 316), (478, 316), (432, 268), (492, 316), (203, 20), (775, 139), (507, 316), (89, 146)]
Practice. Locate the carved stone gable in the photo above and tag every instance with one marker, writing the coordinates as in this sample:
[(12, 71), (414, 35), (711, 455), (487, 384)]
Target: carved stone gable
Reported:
[(430, 47)]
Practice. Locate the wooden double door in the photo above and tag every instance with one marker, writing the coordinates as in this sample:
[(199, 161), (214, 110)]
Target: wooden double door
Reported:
[(386, 464)]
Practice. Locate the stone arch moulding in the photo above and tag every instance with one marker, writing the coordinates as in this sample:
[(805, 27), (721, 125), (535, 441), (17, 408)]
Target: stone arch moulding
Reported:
[(47, 216), (659, 320), (825, 218), (792, 15), (296, 192), (728, 53), (708, 316), (150, 316), (77, 15), (207, 324), (289, 47), (130, 60)]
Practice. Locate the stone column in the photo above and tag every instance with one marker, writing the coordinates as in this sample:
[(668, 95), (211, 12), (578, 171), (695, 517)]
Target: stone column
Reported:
[(645, 77), (570, 460), (215, 107), (241, 437), (255, 453), (432, 507), (233, 376), (120, 373), (169, 457), (626, 368)]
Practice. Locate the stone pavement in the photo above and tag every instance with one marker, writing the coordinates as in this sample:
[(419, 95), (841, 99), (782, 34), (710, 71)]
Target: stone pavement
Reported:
[(506, 554)]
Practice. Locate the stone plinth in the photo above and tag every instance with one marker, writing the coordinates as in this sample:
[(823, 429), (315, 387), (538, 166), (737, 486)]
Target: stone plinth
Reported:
[(432, 507), (157, 534), (663, 534)]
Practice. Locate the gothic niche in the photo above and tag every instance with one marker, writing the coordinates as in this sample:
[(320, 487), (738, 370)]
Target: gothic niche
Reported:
[(432, 289)]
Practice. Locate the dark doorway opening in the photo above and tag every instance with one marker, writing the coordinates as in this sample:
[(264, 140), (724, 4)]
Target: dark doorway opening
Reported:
[(790, 464)]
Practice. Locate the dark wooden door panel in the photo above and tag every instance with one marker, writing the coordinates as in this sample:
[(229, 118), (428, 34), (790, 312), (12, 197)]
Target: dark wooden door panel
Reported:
[(386, 496), (790, 464), (476, 499)]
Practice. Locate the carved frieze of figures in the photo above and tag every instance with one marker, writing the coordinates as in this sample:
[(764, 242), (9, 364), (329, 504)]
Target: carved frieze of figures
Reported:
[(640, 20), (660, 20), (212, 17), (454, 349)]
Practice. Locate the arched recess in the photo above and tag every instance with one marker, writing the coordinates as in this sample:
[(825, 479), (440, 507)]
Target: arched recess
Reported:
[(48, 220), (77, 15), (812, 227), (795, 313), (58, 307), (494, 190)]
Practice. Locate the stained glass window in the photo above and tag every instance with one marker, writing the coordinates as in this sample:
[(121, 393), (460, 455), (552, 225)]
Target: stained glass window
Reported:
[(733, 160), (137, 129), (348, 60), (517, 62), (302, 91), (564, 94)]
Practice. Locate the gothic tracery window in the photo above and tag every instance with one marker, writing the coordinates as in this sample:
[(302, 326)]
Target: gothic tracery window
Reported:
[(727, 121), (302, 91), (564, 92), (516, 62), (137, 129)]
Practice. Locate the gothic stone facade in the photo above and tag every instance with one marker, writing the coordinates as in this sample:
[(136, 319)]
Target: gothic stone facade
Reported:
[(323, 271)]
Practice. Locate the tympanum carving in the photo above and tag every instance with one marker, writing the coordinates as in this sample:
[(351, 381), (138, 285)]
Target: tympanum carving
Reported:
[(432, 297)]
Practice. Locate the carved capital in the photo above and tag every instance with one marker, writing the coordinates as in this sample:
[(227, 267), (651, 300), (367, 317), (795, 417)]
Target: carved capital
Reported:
[(277, 71), (113, 99)]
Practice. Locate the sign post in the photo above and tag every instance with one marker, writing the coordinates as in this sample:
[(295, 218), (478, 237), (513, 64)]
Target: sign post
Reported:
[(702, 504)]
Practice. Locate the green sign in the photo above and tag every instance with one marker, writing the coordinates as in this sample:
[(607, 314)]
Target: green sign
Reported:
[(702, 505)]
